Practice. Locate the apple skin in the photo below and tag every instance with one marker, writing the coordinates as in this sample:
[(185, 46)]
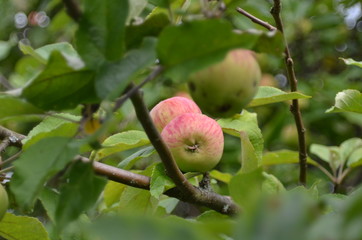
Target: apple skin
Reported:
[(170, 108), (195, 140), (225, 88), (4, 202)]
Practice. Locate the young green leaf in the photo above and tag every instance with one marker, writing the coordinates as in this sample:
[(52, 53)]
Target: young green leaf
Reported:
[(14, 227), (348, 147), (268, 95), (136, 200), (283, 157), (52, 126), (271, 184), (113, 192), (245, 188), (220, 176), (355, 159), (349, 100), (249, 160), (248, 123), (159, 181), (350, 61), (121, 142), (11, 107), (131, 160)]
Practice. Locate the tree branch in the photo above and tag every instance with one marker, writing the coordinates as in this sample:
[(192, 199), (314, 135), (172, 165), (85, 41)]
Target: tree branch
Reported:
[(190, 193), (155, 73), (294, 108), (171, 167), (11, 138), (222, 204), (256, 20)]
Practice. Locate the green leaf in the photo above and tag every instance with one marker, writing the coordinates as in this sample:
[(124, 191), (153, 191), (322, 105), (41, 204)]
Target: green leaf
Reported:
[(283, 157), (348, 147), (162, 3), (355, 159), (36, 165), (52, 126), (168, 204), (330, 155), (113, 192), (159, 181), (101, 31), (65, 48), (151, 27), (272, 185), (11, 106), (14, 227), (249, 160), (350, 61), (136, 200), (131, 160), (347, 101), (220, 176), (268, 95), (189, 50), (113, 78), (78, 194), (27, 49), (248, 123), (59, 87), (49, 199), (5, 48), (135, 9), (245, 188), (121, 142)]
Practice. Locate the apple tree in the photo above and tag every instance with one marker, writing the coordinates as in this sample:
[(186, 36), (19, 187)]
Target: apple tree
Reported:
[(180, 119)]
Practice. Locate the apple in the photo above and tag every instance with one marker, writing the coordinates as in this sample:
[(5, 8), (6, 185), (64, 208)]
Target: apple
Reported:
[(225, 88), (170, 108), (4, 201), (195, 140)]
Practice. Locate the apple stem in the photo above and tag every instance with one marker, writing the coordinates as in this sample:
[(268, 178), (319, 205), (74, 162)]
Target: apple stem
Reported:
[(193, 148)]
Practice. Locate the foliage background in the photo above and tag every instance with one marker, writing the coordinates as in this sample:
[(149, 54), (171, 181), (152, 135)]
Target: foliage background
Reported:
[(319, 33)]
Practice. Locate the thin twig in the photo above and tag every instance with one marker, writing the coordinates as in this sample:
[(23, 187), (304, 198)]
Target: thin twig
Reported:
[(155, 73), (5, 83), (343, 175), (10, 159), (325, 171), (119, 175), (256, 20), (6, 169), (294, 108), (13, 137), (73, 9), (4, 144)]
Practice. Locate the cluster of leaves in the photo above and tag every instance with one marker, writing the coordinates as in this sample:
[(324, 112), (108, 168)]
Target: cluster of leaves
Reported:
[(111, 50)]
